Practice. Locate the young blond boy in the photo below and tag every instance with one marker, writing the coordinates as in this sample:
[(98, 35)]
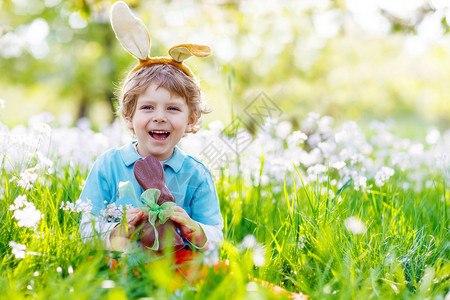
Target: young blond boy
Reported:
[(160, 104)]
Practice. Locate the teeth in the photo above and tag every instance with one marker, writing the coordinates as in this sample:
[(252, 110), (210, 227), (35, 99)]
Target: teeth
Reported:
[(158, 131)]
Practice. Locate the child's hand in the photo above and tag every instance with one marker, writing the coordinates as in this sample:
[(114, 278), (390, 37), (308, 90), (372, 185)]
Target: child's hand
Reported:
[(121, 234), (188, 227)]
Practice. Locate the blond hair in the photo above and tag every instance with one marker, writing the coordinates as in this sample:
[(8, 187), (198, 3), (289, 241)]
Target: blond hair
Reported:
[(168, 77)]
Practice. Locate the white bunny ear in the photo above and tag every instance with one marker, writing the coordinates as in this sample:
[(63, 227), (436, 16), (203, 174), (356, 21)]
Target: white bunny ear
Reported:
[(130, 31), (182, 52)]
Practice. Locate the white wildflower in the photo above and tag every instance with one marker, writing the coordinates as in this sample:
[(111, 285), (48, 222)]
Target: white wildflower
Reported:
[(442, 160), (283, 129), (42, 128), (330, 193), (301, 243), (108, 284), (216, 126), (383, 175), (2, 103), (259, 259), (28, 177), (19, 202), (27, 217), (310, 122), (359, 182), (70, 206), (433, 136), (18, 249), (59, 269), (314, 139), (249, 242), (317, 172), (338, 165), (416, 149), (356, 158), (295, 138), (25, 212), (328, 147), (252, 287), (83, 124), (211, 256), (113, 213), (355, 226), (83, 206), (400, 159)]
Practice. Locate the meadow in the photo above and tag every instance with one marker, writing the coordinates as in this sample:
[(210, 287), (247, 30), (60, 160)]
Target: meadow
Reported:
[(325, 210)]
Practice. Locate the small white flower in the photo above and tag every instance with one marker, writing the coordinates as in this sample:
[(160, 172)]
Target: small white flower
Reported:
[(42, 128), (259, 259), (283, 129), (252, 286), (360, 182), (59, 269), (83, 206), (70, 270), (27, 217), (296, 138), (355, 226), (338, 165), (28, 177), (216, 126), (433, 136), (383, 175), (2, 103), (249, 242), (18, 249), (108, 284), (19, 202)]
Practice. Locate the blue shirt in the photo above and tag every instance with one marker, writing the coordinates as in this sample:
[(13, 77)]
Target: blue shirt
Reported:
[(189, 181)]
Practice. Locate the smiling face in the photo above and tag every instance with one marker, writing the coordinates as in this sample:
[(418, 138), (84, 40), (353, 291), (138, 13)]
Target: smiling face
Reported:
[(159, 122)]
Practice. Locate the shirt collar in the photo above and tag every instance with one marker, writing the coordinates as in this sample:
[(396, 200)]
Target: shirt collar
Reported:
[(130, 156), (176, 161)]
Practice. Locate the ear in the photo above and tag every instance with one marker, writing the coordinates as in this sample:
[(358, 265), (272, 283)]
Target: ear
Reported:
[(128, 122), (191, 123), (184, 51), (130, 31)]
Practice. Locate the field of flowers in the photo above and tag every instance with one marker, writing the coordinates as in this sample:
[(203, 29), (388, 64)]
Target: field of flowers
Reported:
[(326, 210)]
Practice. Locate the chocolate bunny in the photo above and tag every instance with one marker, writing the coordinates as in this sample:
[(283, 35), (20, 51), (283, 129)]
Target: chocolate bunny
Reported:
[(150, 175)]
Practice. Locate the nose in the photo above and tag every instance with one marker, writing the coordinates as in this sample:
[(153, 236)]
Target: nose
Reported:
[(159, 116)]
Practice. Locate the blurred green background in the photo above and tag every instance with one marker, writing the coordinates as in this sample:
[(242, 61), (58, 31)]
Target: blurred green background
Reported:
[(354, 60)]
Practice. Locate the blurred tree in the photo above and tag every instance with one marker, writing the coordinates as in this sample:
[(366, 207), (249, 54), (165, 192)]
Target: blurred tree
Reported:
[(50, 42), (330, 56)]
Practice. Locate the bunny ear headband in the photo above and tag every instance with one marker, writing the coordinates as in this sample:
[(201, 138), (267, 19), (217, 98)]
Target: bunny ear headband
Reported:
[(134, 37)]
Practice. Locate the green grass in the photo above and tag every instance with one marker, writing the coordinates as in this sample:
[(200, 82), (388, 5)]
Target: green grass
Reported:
[(404, 253)]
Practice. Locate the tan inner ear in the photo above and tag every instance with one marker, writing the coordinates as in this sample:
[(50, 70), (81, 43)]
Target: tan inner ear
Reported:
[(182, 52)]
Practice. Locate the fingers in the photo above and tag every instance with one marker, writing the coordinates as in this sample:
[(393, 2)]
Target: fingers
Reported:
[(134, 215), (180, 217), (178, 208), (184, 220)]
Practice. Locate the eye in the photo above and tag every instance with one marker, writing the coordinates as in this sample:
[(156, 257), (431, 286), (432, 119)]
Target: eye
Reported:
[(147, 107), (174, 108)]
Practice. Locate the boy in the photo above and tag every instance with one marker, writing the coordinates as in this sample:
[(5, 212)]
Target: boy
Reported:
[(160, 102)]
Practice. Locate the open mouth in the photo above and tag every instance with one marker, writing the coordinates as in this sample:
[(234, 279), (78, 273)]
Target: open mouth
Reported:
[(159, 135)]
